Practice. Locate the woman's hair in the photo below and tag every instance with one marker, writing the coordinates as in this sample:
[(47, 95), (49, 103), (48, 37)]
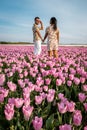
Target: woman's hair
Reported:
[(53, 21)]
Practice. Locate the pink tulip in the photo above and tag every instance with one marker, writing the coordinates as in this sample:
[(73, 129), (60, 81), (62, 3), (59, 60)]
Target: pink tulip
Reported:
[(38, 99), (76, 81), (1, 66), (64, 100), (10, 74), (77, 118), (84, 87), (66, 75), (63, 80), (62, 107), (26, 81), (72, 71), (21, 83), (85, 106), (50, 97), (25, 73), (60, 74), (27, 111), (71, 76), (9, 111), (61, 96), (44, 73), (19, 70), (65, 127), (31, 86), (11, 101), (37, 123), (70, 106), (4, 91), (43, 95), (19, 102), (47, 81), (39, 82), (78, 70), (82, 80), (2, 79), (1, 98), (81, 97), (85, 128), (69, 83), (26, 92), (32, 74), (51, 91), (58, 82), (21, 76), (55, 75), (45, 88), (11, 86), (27, 101)]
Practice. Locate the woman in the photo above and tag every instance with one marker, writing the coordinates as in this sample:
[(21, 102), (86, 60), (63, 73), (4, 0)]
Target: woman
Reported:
[(52, 33)]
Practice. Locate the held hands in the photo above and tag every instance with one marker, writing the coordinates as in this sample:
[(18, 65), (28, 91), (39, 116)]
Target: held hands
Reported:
[(42, 40)]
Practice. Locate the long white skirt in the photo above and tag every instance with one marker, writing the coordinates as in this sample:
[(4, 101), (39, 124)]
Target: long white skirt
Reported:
[(37, 47)]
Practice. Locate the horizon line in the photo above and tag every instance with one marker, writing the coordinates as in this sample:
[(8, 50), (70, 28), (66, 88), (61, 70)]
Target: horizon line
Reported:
[(1, 42)]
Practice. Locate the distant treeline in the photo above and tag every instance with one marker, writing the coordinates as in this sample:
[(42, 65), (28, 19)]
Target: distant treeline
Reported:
[(3, 42)]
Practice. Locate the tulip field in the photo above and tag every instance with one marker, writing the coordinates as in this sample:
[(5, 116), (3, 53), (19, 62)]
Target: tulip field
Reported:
[(41, 92)]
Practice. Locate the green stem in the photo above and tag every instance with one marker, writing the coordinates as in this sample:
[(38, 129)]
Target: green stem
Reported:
[(59, 118), (27, 125)]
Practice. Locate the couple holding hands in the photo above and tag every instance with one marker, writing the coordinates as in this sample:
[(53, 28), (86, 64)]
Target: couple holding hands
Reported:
[(52, 33)]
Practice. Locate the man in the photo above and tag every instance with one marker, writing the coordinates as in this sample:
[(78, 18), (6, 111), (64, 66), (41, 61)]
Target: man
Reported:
[(37, 39)]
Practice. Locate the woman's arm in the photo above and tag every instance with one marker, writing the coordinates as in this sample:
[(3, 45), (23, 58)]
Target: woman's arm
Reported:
[(58, 36)]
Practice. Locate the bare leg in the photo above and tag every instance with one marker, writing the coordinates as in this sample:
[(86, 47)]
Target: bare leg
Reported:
[(55, 53), (50, 53)]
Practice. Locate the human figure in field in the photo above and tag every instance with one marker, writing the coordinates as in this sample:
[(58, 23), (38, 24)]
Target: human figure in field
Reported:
[(37, 38), (52, 32)]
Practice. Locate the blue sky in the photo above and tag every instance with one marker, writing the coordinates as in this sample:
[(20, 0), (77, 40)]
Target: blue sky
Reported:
[(17, 18)]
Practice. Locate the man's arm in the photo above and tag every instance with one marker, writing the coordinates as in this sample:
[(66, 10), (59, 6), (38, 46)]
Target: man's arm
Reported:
[(39, 34), (41, 28)]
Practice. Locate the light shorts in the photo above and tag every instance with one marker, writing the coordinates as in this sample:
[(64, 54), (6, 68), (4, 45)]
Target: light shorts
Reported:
[(37, 47)]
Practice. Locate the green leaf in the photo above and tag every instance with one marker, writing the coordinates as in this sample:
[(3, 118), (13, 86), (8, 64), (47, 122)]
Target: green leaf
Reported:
[(56, 123), (50, 122), (46, 111)]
